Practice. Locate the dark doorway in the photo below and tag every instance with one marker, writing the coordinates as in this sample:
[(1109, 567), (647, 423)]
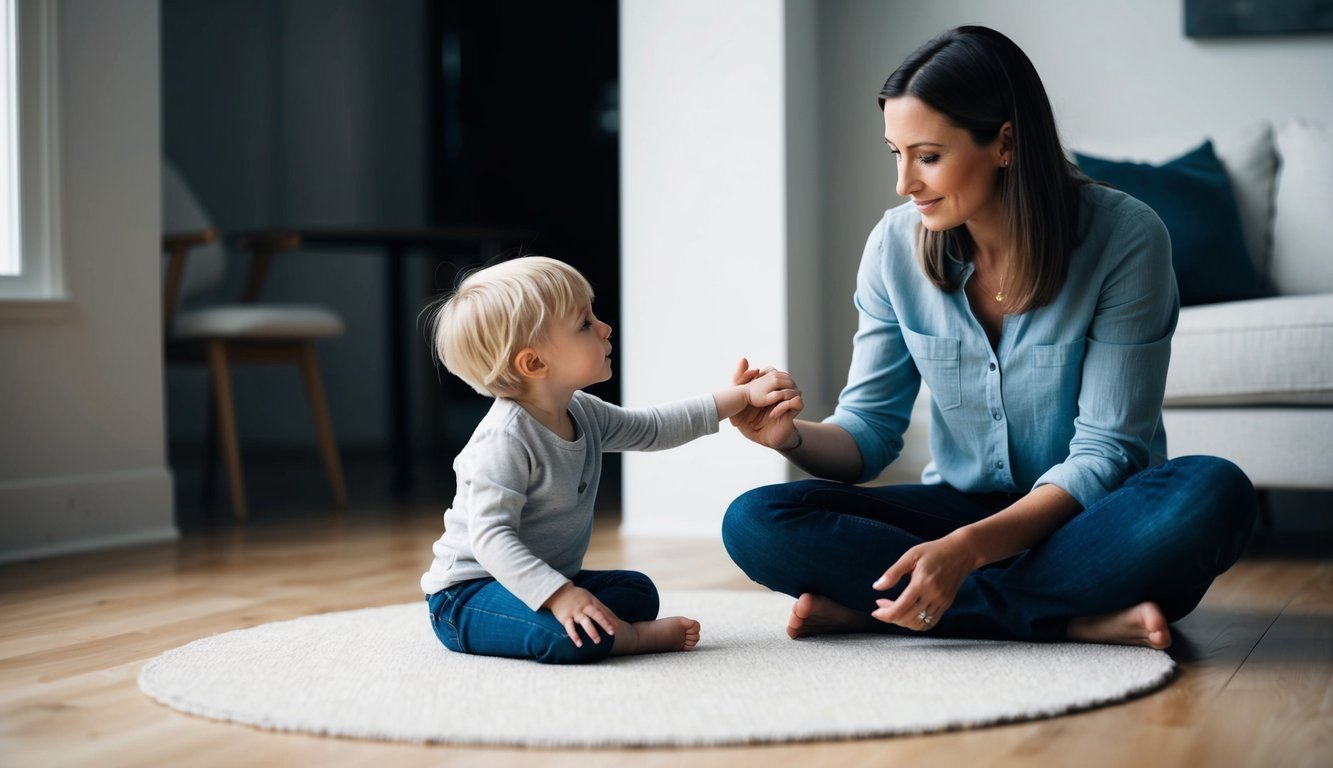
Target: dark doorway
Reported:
[(524, 133)]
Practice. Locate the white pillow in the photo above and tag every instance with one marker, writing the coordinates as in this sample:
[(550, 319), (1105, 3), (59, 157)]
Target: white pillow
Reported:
[(1303, 227), (1251, 165)]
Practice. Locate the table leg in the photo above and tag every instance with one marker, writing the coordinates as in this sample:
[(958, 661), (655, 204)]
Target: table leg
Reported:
[(401, 440)]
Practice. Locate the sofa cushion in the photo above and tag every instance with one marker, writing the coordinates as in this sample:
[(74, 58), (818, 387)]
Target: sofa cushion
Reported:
[(1251, 162), (1192, 194), (1278, 447), (1303, 220), (1270, 351)]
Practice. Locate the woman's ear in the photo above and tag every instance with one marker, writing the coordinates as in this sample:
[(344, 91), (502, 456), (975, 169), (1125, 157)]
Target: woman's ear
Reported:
[(1006, 143), (529, 364)]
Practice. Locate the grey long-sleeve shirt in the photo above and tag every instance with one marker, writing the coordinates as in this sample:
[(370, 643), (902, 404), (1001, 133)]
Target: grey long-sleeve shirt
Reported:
[(523, 509)]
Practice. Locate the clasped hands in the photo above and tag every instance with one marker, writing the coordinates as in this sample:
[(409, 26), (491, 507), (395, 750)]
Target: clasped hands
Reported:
[(773, 403)]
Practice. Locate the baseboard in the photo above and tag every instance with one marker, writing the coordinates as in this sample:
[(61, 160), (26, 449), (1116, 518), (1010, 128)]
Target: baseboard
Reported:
[(78, 513)]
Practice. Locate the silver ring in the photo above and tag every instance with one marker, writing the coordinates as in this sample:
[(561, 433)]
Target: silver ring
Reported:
[(924, 617)]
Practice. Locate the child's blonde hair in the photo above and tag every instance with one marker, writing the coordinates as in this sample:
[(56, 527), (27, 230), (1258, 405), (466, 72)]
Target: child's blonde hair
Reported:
[(498, 311)]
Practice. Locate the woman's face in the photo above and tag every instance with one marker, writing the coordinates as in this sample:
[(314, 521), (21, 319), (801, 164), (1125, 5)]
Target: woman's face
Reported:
[(951, 180)]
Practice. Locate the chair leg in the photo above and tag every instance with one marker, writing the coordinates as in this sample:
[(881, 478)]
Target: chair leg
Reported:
[(319, 408), (208, 487), (231, 452)]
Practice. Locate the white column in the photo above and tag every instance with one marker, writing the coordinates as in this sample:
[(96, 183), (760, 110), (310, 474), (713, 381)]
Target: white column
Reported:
[(705, 237)]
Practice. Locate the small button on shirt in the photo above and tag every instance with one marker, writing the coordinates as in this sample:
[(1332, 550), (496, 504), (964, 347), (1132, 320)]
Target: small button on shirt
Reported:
[(1071, 395)]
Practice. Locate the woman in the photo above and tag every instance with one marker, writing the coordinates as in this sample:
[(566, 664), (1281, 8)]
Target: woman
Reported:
[(1038, 307)]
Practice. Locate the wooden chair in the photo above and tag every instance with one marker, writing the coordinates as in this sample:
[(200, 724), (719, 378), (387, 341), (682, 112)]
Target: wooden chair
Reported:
[(246, 332)]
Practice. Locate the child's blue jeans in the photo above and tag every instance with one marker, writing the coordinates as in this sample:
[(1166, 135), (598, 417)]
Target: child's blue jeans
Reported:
[(1163, 536), (482, 617)]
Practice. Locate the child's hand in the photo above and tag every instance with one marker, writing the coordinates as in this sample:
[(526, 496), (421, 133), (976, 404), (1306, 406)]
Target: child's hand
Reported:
[(772, 403), (577, 607), (743, 375), (769, 387)]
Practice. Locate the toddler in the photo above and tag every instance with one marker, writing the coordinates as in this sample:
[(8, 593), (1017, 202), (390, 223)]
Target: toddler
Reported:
[(507, 578)]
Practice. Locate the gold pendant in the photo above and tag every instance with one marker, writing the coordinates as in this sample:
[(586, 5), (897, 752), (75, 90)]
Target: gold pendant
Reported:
[(999, 295)]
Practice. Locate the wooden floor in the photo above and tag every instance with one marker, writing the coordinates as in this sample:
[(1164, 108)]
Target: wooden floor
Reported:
[(1255, 684)]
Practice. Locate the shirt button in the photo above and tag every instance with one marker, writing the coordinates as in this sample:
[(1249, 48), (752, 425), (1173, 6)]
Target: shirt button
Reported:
[(999, 465), (992, 366), (997, 415)]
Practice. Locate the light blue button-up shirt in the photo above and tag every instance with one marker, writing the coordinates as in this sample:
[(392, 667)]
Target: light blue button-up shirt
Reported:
[(1071, 396)]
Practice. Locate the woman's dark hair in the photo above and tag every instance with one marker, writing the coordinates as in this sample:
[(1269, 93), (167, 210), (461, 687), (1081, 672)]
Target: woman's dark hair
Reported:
[(979, 79)]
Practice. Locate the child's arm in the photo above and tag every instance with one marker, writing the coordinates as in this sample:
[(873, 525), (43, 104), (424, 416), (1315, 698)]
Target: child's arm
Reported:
[(672, 424), (494, 481)]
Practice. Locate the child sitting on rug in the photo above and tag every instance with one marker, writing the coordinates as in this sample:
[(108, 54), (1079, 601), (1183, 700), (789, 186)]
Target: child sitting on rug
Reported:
[(508, 578)]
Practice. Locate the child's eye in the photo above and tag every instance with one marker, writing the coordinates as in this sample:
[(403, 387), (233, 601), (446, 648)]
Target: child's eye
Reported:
[(586, 325)]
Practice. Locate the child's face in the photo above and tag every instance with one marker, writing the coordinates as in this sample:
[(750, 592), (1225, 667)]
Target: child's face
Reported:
[(577, 349)]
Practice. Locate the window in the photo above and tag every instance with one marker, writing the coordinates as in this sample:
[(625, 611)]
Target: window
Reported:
[(30, 263), (10, 262)]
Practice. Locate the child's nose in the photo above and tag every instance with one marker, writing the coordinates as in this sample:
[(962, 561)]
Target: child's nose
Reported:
[(606, 330)]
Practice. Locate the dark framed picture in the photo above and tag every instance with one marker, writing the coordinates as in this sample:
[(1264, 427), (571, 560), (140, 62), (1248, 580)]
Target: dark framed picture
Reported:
[(1232, 18)]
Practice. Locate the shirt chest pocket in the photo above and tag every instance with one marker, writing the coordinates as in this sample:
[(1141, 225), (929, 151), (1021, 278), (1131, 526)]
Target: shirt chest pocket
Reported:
[(1058, 355), (939, 360)]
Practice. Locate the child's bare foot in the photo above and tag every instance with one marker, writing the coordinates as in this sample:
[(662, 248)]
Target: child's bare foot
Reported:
[(674, 633), (818, 615), (1143, 624)]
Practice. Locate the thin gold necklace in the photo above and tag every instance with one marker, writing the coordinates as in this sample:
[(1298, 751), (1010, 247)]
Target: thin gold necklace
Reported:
[(999, 295)]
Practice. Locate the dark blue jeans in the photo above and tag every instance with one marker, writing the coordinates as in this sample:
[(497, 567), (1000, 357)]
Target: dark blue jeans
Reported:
[(1163, 536), (482, 617)]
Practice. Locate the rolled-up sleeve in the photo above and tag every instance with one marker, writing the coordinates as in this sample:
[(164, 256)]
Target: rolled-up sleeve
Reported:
[(882, 382), (1124, 368)]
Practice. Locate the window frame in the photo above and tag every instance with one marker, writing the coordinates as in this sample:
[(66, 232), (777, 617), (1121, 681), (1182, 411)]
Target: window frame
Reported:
[(39, 288)]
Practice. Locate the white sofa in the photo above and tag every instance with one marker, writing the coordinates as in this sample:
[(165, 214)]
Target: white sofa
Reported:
[(1251, 381)]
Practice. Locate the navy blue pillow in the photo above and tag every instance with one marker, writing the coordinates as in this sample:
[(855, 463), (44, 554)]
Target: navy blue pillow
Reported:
[(1193, 197)]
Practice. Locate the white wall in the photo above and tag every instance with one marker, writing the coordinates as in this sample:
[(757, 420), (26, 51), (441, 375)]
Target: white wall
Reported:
[(705, 236), (82, 457)]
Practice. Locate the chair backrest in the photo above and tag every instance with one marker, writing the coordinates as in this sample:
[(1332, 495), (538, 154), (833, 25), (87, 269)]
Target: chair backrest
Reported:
[(181, 212)]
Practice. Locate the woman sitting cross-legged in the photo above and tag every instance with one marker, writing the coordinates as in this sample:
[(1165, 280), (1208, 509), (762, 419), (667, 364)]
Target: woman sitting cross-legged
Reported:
[(1038, 307)]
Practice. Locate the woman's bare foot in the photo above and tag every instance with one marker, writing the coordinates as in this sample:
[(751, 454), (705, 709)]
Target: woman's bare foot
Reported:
[(818, 615), (674, 633), (1143, 624)]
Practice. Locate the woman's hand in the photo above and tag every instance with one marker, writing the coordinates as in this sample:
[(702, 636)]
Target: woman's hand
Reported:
[(774, 402), (935, 571), (577, 607)]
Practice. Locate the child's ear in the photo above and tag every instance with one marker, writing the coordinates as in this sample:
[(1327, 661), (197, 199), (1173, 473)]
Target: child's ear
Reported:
[(529, 364)]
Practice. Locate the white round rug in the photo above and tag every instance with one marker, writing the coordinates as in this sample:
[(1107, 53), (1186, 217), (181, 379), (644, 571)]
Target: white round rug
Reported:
[(380, 673)]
